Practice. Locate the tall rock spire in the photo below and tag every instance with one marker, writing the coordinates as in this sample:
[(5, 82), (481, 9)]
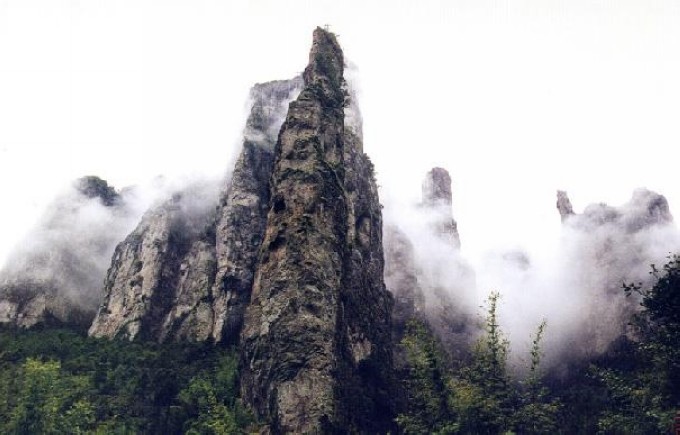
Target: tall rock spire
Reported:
[(316, 338), (564, 205), (437, 197)]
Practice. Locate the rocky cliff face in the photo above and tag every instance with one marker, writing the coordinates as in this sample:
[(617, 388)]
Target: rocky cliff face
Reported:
[(316, 339), (55, 275), (186, 271)]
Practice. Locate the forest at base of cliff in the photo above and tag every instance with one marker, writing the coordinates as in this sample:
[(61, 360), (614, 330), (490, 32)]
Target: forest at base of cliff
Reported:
[(60, 381)]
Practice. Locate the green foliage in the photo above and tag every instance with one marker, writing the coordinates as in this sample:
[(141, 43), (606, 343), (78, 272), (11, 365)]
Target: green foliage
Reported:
[(482, 391), (537, 413), (48, 401), (479, 397), (427, 385), (644, 395), (211, 401), (56, 381)]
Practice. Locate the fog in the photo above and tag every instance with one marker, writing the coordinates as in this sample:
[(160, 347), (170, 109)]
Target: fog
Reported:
[(515, 99), (574, 281)]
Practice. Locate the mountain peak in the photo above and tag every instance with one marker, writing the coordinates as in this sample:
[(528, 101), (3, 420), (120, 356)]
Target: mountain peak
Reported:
[(564, 205)]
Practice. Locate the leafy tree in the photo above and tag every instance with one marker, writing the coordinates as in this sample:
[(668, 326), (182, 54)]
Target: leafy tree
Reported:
[(49, 401), (482, 394), (427, 385), (57, 381), (644, 395), (537, 413), (210, 400)]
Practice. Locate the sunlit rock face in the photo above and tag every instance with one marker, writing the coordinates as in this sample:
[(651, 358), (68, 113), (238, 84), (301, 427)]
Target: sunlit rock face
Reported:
[(606, 247), (54, 276), (186, 271), (316, 339)]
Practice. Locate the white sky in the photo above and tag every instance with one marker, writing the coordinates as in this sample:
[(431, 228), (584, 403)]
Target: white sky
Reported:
[(516, 99)]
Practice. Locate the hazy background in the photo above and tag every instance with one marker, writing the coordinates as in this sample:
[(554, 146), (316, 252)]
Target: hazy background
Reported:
[(516, 99)]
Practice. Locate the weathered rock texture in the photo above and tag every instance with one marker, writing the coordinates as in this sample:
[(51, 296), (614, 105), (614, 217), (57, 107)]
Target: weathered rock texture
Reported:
[(242, 215), (607, 247), (186, 271), (316, 339), (55, 275)]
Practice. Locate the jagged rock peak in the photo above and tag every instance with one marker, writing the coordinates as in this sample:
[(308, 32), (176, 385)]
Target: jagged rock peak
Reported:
[(438, 198), (645, 209), (564, 205), (269, 104), (437, 187), (316, 344), (324, 74), (186, 271), (92, 186)]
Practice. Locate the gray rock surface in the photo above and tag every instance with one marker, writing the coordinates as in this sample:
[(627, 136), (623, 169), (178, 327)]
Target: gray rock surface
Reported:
[(162, 272), (564, 205), (438, 199), (316, 347), (186, 271)]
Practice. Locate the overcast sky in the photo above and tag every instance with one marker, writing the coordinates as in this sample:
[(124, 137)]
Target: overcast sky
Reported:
[(516, 99)]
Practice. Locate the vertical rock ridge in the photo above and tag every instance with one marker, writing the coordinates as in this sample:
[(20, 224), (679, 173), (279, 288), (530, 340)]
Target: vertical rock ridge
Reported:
[(308, 331), (186, 271), (242, 216), (564, 205), (438, 198)]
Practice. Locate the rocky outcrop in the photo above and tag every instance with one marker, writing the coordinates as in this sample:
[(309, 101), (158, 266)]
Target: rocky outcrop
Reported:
[(242, 216), (564, 205), (609, 246), (438, 199), (186, 271), (55, 275), (316, 339), (161, 273), (425, 285)]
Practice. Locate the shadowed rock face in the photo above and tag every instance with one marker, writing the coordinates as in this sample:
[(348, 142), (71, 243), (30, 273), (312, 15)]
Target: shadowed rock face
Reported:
[(186, 271), (316, 339), (54, 277)]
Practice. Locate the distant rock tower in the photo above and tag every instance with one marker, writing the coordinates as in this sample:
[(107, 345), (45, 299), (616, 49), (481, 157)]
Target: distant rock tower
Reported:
[(437, 196), (564, 205)]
